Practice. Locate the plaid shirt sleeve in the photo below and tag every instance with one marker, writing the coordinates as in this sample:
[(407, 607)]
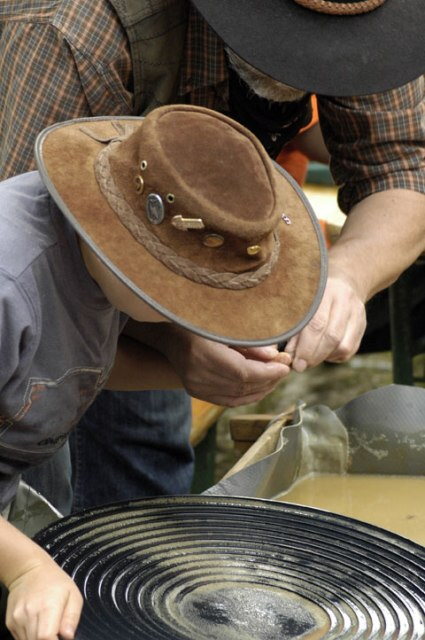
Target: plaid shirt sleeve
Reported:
[(57, 62), (377, 142)]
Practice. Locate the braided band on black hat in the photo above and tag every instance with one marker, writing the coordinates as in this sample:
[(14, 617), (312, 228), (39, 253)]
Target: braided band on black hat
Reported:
[(341, 7)]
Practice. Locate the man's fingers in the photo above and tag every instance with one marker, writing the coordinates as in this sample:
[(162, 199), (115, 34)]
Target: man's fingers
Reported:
[(333, 334), (351, 340), (291, 345)]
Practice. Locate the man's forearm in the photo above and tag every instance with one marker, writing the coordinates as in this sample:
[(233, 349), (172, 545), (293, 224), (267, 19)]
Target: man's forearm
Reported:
[(383, 235)]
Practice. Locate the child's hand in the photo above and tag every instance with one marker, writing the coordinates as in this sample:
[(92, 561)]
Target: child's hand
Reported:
[(43, 603), (266, 354), (223, 375)]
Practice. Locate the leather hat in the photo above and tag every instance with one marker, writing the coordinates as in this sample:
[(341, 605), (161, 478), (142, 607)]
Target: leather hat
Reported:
[(187, 209)]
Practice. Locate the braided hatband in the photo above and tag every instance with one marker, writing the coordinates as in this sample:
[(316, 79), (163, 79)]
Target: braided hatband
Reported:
[(341, 8), (178, 264)]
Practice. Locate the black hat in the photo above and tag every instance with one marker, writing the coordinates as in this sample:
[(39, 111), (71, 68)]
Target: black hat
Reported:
[(329, 47)]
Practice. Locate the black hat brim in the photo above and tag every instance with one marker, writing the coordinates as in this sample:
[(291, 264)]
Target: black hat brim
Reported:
[(321, 53)]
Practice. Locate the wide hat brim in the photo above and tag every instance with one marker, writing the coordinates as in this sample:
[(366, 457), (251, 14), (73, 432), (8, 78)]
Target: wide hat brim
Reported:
[(270, 312), (322, 53)]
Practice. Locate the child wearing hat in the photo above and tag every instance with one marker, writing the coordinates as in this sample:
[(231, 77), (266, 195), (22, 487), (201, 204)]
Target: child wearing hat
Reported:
[(174, 229)]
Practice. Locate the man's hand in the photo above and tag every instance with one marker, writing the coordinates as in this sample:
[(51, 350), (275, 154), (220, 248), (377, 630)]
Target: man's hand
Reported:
[(335, 331), (217, 373), (371, 252)]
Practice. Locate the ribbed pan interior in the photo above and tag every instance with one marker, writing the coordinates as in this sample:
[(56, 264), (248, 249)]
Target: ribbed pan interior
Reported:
[(196, 567)]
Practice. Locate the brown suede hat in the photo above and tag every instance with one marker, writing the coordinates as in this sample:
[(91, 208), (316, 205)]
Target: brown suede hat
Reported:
[(187, 209)]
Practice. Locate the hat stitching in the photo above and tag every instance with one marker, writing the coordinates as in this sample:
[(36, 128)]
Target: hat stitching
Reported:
[(178, 264)]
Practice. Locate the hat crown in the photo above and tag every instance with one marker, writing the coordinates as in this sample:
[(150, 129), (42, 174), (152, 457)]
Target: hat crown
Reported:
[(198, 186), (215, 168)]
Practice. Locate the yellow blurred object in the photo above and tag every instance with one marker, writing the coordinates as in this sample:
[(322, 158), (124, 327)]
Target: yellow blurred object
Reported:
[(204, 416)]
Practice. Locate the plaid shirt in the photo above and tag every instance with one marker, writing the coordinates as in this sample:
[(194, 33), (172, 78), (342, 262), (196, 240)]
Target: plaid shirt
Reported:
[(64, 59)]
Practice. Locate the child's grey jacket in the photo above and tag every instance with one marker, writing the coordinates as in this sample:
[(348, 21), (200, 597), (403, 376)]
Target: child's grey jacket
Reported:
[(58, 333)]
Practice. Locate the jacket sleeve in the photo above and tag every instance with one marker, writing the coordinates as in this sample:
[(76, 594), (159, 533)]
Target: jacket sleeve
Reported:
[(58, 66), (17, 335), (376, 142), (17, 345)]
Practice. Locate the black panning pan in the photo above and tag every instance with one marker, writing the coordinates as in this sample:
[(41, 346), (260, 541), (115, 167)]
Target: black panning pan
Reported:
[(206, 567)]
